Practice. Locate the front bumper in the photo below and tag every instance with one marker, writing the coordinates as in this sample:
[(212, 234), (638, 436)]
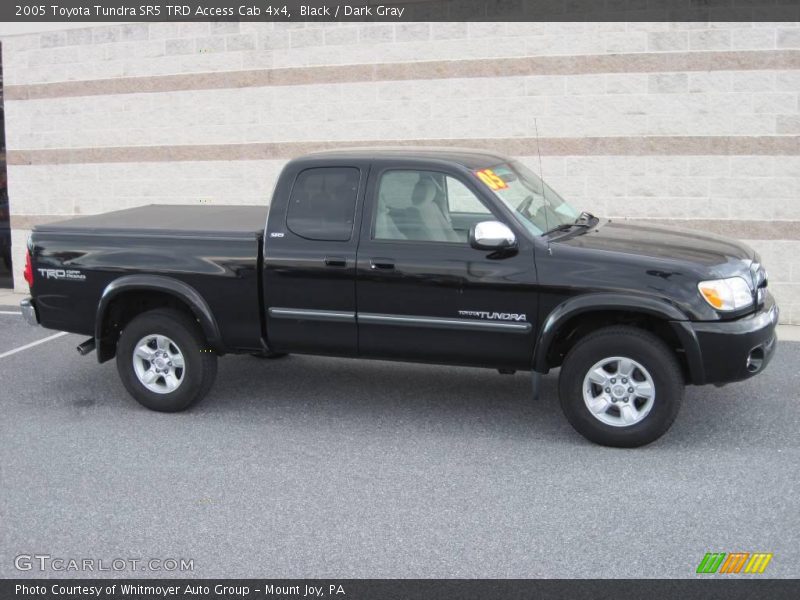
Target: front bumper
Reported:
[(735, 350), (29, 311)]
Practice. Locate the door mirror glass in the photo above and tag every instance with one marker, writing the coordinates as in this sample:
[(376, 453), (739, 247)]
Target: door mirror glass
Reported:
[(491, 235)]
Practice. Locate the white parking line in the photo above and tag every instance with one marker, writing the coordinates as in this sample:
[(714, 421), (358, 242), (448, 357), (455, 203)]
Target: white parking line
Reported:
[(32, 344), (10, 312)]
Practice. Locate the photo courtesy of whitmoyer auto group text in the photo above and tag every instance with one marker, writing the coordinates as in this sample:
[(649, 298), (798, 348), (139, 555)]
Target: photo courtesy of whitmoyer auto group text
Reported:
[(404, 300)]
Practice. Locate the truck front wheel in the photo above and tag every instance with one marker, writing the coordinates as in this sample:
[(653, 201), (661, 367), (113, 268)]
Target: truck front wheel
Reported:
[(621, 386), (164, 361)]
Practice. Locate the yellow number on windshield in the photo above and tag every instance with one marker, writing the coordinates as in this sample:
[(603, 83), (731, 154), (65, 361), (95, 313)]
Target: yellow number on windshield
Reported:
[(491, 179)]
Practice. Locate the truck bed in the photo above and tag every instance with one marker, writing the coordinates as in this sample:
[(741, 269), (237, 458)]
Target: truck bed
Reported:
[(212, 249), (169, 220)]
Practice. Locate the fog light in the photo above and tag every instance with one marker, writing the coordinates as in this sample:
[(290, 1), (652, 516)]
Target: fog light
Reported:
[(755, 359)]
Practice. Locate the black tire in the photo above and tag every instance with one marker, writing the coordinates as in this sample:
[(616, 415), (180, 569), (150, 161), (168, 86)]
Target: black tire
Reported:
[(200, 363), (647, 350)]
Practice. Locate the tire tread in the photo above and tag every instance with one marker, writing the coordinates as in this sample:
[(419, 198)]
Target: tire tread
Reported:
[(635, 435), (205, 362)]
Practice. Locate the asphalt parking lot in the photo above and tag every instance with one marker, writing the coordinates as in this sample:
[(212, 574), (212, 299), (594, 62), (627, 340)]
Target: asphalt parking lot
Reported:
[(322, 467)]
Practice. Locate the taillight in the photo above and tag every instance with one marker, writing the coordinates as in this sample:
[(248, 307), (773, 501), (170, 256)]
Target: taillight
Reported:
[(28, 273)]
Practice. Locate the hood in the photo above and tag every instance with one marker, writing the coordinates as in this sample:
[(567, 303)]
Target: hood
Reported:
[(680, 245)]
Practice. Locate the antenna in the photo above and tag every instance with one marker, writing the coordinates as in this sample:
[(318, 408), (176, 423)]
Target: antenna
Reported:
[(541, 177)]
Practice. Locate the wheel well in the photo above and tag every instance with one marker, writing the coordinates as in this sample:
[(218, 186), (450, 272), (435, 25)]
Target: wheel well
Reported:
[(124, 307), (579, 326)]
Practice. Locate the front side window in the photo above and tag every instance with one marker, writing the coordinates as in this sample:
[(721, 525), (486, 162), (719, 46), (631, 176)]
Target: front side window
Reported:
[(425, 206), (460, 199), (323, 203)]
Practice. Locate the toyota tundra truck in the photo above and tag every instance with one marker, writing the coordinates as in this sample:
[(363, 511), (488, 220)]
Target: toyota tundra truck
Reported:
[(441, 256)]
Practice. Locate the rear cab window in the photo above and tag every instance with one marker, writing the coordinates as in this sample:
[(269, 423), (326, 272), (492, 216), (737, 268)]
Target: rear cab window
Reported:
[(322, 203)]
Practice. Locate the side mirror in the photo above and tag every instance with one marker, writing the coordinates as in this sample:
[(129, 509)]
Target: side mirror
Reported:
[(491, 235)]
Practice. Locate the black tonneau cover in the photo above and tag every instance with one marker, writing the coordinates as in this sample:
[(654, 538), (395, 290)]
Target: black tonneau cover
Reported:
[(162, 219)]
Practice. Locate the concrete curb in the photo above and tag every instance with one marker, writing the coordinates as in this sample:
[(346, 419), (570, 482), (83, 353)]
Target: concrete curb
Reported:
[(789, 333), (10, 298)]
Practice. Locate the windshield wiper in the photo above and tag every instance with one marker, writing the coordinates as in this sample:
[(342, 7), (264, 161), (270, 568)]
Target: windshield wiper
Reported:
[(585, 220)]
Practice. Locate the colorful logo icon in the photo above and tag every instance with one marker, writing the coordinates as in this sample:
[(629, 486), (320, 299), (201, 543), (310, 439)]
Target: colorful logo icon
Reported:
[(734, 562)]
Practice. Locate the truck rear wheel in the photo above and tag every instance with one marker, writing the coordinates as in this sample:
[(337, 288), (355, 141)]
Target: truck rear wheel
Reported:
[(164, 361), (621, 386)]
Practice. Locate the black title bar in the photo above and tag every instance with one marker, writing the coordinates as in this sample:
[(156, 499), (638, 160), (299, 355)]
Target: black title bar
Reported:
[(399, 10), (398, 589)]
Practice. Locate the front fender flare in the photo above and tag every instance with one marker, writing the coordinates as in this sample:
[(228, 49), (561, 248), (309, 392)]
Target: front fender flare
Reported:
[(598, 302), (178, 289)]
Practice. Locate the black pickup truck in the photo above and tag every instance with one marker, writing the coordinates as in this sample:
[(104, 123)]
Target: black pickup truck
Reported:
[(431, 255)]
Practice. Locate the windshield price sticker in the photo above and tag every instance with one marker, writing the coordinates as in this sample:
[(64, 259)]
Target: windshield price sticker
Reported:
[(491, 179)]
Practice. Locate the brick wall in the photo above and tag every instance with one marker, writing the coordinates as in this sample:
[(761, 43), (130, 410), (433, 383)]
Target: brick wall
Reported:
[(695, 124)]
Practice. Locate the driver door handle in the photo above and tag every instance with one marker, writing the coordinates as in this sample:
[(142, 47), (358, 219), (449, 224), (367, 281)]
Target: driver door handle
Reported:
[(383, 264)]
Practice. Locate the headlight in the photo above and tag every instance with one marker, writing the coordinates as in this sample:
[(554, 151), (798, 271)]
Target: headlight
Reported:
[(726, 294)]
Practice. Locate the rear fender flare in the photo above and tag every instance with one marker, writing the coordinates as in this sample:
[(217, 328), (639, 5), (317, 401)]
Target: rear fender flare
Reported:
[(178, 289)]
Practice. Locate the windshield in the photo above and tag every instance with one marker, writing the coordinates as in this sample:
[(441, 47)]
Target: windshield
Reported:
[(534, 203)]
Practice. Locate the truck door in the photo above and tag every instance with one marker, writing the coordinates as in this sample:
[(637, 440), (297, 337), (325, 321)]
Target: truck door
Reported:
[(423, 292), (310, 258)]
